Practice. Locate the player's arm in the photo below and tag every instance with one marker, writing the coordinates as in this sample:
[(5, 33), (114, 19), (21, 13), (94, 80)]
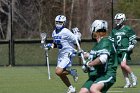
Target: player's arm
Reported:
[(132, 39), (102, 55), (102, 59)]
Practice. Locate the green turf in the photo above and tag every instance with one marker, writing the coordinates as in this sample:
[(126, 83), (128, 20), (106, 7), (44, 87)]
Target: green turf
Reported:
[(35, 80)]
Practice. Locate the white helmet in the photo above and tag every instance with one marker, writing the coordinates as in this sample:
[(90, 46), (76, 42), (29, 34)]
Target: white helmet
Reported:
[(99, 24), (119, 18), (60, 21)]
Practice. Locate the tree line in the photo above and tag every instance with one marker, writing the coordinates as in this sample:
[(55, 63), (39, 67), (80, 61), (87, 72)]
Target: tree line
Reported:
[(25, 19)]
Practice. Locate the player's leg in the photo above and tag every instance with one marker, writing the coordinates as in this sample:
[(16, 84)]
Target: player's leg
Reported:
[(125, 68), (86, 87), (72, 72), (102, 84), (127, 71), (64, 63), (96, 88), (127, 81), (84, 90), (59, 72), (132, 75)]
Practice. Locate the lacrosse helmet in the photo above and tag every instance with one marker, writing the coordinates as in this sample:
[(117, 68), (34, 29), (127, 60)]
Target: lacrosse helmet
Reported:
[(119, 18), (99, 26), (60, 21)]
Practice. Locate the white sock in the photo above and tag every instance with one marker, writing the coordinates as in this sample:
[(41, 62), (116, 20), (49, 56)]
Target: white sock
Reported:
[(132, 75), (71, 86), (127, 80)]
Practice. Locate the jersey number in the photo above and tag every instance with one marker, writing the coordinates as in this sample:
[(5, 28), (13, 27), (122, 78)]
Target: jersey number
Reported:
[(59, 45), (119, 40)]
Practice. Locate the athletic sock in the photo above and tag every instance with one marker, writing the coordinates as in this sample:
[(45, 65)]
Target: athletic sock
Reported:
[(127, 80), (132, 75), (71, 86)]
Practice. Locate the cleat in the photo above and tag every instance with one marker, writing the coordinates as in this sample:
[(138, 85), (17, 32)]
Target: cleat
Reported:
[(73, 72), (134, 81), (71, 90), (127, 86)]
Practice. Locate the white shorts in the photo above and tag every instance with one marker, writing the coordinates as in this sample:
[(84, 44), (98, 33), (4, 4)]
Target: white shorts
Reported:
[(64, 60)]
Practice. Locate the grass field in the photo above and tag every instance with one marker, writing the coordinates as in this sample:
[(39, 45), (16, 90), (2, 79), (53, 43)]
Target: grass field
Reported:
[(35, 80)]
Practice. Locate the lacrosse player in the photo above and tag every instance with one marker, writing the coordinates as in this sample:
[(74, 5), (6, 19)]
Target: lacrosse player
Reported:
[(64, 40), (100, 64), (124, 39)]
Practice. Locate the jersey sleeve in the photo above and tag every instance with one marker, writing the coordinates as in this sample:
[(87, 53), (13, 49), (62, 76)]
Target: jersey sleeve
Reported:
[(132, 36), (70, 36), (111, 36), (105, 47)]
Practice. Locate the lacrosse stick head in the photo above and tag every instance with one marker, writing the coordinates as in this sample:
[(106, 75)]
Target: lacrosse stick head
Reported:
[(43, 36), (75, 30)]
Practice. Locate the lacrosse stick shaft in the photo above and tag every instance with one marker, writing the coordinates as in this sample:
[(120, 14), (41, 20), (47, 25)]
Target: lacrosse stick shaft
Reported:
[(48, 65), (43, 37), (79, 48)]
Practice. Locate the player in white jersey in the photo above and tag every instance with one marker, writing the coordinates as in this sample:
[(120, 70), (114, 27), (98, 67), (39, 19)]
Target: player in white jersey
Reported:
[(64, 40)]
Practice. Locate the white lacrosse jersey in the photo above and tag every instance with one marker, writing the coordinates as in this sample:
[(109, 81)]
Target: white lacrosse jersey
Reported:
[(65, 41)]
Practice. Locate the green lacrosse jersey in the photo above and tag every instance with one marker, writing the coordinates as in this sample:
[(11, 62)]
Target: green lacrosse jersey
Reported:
[(122, 37), (104, 47)]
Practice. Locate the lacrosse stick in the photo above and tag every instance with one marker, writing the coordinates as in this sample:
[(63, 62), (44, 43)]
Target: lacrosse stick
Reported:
[(43, 36), (84, 68), (75, 31)]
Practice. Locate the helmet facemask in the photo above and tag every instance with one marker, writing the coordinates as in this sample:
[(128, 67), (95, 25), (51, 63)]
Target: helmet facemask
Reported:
[(59, 24)]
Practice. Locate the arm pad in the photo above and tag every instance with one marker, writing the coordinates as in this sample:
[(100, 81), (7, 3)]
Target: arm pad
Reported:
[(103, 58)]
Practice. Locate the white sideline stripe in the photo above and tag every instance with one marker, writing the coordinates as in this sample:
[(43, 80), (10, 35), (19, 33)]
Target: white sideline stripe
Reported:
[(115, 91)]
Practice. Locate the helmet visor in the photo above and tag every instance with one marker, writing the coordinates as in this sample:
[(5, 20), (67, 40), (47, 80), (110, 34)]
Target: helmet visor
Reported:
[(59, 24), (117, 21)]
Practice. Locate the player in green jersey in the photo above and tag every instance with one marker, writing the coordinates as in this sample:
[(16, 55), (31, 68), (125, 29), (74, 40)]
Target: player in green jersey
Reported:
[(124, 39), (100, 63)]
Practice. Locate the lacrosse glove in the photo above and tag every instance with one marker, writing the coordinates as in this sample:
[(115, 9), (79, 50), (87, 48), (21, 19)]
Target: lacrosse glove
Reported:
[(130, 47), (49, 46), (85, 68)]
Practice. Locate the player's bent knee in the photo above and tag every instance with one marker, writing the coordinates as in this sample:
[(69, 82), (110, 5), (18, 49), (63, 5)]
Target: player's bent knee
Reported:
[(83, 90), (123, 65), (58, 72), (93, 90)]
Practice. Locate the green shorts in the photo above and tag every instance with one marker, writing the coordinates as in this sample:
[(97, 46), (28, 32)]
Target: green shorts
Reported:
[(124, 55), (106, 79)]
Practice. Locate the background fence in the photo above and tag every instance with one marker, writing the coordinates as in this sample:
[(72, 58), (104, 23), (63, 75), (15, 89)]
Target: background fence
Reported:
[(29, 53)]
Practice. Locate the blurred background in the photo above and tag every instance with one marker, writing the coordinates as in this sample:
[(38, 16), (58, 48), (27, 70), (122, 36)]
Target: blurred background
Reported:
[(22, 21)]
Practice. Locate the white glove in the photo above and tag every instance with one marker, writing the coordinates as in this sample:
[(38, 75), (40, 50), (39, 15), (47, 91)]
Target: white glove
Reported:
[(90, 67), (85, 69), (93, 52), (130, 47), (87, 64), (42, 41)]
